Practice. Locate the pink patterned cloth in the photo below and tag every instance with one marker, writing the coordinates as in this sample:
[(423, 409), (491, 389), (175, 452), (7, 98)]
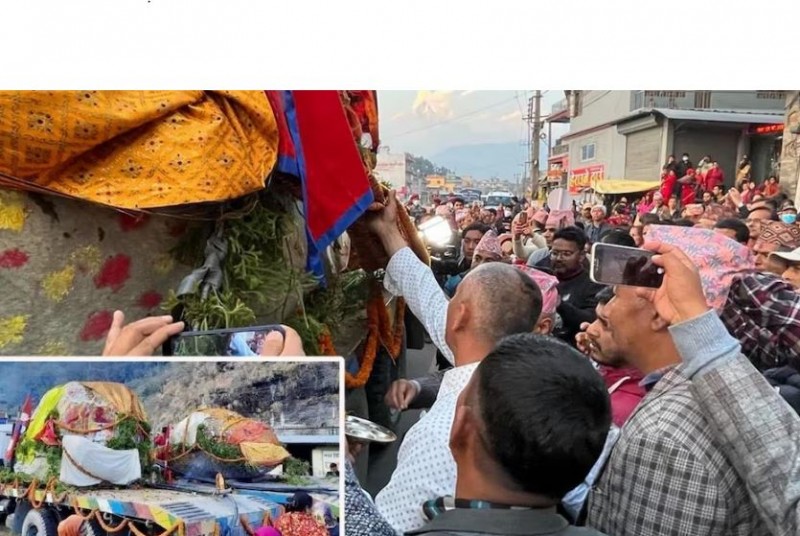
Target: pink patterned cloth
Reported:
[(560, 219), (489, 246), (540, 216), (719, 259), (461, 214), (548, 284)]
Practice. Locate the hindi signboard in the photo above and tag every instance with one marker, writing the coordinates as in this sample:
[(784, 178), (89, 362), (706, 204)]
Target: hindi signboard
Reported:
[(583, 178)]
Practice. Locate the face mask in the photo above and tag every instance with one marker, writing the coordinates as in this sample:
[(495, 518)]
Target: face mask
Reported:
[(415, 203), (685, 158), (788, 218)]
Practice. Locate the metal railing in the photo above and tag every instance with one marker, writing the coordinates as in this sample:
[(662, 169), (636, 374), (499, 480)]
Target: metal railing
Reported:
[(709, 100)]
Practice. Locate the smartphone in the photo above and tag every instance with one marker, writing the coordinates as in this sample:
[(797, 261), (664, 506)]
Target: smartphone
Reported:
[(626, 266), (523, 218), (234, 342)]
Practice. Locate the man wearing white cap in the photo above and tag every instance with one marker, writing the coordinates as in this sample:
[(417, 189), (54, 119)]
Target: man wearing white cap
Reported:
[(792, 261)]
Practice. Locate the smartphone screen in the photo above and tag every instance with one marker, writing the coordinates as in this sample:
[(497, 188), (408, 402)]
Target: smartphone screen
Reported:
[(620, 265), (523, 218), (237, 342)]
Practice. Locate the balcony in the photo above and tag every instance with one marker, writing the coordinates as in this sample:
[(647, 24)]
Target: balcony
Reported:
[(559, 149), (559, 112), (710, 100)]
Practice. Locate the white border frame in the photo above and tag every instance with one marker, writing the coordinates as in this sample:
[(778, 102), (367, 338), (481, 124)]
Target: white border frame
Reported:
[(309, 359)]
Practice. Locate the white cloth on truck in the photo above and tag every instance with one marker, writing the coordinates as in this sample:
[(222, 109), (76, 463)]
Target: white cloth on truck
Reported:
[(185, 432), (120, 467)]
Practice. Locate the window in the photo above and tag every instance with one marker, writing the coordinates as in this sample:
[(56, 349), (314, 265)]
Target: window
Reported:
[(587, 152)]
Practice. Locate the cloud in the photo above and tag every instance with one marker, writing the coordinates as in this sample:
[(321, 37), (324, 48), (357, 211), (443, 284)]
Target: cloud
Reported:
[(469, 92), (511, 116), (433, 104)]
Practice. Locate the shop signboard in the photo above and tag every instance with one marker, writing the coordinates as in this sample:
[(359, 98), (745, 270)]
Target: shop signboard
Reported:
[(583, 178)]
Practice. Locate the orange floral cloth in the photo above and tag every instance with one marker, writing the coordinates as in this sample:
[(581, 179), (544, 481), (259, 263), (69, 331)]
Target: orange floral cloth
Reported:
[(137, 149), (300, 524)]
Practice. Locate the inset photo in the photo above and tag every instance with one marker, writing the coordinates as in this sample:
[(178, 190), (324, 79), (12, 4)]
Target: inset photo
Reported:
[(155, 448)]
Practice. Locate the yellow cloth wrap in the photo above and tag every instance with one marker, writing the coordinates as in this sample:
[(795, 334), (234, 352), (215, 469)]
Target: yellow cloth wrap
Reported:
[(263, 453), (122, 399), (137, 149), (40, 415)]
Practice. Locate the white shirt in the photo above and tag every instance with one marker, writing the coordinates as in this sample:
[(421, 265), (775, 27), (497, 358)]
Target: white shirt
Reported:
[(425, 466), (409, 277)]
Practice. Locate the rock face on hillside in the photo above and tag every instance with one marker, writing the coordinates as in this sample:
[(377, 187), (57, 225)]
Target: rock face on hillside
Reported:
[(277, 393), (293, 393)]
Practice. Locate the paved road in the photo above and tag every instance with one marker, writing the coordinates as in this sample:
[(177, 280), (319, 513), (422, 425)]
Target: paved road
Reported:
[(418, 363)]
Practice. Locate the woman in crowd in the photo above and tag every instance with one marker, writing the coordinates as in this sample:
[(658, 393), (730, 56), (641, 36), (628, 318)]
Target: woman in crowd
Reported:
[(771, 187), (299, 519)]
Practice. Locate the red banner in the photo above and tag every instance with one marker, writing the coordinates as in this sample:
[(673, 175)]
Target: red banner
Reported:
[(583, 178)]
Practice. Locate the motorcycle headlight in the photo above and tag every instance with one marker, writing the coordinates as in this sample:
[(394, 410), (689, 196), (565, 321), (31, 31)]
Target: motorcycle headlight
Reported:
[(436, 231)]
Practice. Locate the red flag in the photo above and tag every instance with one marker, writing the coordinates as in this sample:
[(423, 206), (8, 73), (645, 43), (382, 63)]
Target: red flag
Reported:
[(19, 429), (317, 145)]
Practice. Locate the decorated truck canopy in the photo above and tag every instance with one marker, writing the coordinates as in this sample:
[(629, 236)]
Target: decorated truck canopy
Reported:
[(86, 433), (222, 207), (215, 440)]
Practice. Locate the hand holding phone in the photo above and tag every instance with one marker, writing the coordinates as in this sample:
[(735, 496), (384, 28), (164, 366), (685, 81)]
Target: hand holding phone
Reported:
[(621, 265), (236, 342)]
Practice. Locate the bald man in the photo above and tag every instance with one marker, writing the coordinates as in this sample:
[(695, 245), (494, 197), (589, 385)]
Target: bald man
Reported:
[(493, 301)]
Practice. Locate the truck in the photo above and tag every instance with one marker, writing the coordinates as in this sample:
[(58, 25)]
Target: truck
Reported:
[(188, 510), (146, 500)]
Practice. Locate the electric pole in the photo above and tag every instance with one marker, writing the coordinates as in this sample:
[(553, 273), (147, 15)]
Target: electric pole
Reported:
[(534, 120)]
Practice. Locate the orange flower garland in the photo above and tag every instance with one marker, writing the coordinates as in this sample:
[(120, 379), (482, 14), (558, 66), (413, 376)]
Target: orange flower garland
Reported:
[(379, 332), (370, 346)]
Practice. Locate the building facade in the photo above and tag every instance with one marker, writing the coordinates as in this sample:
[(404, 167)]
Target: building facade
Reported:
[(629, 134), (790, 155)]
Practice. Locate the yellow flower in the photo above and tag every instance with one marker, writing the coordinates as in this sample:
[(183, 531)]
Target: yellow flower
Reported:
[(12, 211), (11, 329), (58, 285)]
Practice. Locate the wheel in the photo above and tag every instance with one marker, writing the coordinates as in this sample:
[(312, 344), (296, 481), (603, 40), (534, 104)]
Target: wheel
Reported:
[(92, 528), (15, 520), (40, 523)]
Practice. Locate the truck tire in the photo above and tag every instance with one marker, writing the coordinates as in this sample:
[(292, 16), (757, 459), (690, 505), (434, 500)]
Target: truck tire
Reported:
[(40, 522), (18, 517), (92, 528)]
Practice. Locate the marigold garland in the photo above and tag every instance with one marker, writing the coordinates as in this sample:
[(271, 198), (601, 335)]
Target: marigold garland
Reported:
[(367, 360), (379, 333)]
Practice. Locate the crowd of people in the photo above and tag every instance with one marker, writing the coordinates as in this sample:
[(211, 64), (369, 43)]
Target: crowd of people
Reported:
[(563, 406), (566, 405)]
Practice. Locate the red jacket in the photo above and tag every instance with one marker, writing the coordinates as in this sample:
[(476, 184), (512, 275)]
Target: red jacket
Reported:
[(668, 183), (714, 177), (627, 392)]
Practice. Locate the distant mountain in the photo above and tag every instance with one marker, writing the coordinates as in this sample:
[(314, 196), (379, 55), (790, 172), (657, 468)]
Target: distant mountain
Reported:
[(487, 160)]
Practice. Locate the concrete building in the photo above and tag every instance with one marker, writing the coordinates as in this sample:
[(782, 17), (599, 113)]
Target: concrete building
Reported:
[(629, 134), (790, 156)]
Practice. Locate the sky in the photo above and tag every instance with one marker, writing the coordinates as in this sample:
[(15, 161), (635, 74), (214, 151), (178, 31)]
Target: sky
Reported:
[(428, 122)]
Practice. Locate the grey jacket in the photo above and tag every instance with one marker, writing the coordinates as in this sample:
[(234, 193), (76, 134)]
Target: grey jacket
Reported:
[(428, 389), (500, 522), (755, 428)]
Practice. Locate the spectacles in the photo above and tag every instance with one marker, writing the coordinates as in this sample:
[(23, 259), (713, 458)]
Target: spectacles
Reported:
[(562, 254)]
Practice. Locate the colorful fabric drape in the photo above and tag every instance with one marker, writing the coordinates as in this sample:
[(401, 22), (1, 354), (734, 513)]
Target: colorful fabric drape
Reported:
[(317, 145), (137, 149), (719, 259)]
